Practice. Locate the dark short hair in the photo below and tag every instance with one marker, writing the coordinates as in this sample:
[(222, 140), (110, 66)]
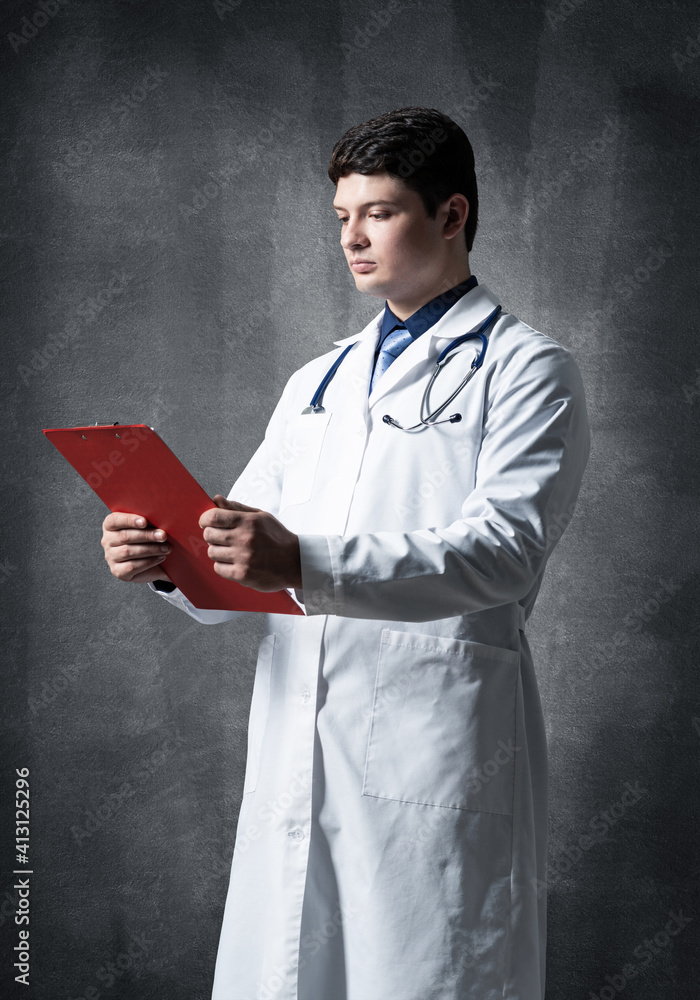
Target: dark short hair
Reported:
[(421, 146)]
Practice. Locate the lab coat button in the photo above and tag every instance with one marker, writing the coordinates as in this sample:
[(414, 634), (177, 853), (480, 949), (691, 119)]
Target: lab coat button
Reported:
[(305, 695), (296, 834)]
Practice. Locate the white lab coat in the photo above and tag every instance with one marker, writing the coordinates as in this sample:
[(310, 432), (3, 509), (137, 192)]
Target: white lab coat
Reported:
[(391, 842)]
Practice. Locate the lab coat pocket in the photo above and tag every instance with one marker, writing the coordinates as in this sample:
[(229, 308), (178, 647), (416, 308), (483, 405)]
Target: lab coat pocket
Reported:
[(259, 706), (442, 729), (305, 434)]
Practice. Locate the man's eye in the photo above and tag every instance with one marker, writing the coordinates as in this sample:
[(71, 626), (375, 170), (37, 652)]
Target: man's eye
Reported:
[(374, 215)]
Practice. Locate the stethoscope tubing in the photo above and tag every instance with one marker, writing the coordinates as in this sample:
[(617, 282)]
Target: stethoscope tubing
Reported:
[(315, 406)]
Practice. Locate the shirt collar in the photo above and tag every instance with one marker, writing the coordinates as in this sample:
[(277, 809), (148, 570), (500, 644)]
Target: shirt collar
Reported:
[(427, 315)]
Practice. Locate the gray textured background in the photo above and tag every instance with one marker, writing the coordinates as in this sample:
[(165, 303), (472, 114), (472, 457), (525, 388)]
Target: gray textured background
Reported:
[(203, 190)]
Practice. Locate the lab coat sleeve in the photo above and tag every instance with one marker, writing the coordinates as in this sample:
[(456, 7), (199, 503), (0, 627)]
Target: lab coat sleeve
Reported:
[(204, 616), (259, 485), (534, 449)]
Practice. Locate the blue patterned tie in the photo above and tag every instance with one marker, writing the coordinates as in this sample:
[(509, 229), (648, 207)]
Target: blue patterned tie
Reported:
[(394, 343)]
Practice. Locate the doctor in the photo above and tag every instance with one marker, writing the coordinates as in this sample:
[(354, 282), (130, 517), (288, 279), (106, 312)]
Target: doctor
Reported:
[(391, 842)]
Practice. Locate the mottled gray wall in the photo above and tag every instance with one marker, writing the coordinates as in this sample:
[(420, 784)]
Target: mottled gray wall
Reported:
[(169, 257)]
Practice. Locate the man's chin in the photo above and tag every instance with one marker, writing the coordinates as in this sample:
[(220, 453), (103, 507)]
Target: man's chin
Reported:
[(369, 284)]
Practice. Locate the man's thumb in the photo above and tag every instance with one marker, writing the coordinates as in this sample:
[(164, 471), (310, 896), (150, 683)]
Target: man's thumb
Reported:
[(221, 501)]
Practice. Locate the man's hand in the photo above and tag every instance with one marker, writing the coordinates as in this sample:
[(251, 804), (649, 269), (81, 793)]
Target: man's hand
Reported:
[(250, 546), (133, 551)]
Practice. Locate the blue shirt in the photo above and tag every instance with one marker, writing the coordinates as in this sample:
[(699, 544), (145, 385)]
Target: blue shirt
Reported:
[(427, 315)]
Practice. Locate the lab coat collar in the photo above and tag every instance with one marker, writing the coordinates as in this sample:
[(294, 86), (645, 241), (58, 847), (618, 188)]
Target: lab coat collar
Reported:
[(465, 316), (469, 311)]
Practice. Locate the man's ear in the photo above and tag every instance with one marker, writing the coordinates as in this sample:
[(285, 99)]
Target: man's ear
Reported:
[(457, 214)]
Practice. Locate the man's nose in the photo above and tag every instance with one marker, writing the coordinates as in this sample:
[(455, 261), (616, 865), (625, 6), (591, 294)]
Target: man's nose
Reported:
[(353, 237)]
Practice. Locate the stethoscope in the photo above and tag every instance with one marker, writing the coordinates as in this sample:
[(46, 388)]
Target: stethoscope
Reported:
[(429, 419)]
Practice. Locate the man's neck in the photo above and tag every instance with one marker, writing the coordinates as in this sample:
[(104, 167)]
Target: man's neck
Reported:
[(404, 308)]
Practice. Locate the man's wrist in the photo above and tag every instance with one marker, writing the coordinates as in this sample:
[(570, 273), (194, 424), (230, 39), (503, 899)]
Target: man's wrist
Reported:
[(294, 581)]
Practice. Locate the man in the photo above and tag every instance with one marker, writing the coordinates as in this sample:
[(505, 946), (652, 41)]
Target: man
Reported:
[(391, 842)]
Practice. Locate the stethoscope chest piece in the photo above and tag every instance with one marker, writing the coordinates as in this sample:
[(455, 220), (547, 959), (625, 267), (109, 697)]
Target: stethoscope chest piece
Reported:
[(313, 409)]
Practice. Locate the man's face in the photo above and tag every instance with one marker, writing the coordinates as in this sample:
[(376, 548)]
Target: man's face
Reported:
[(394, 250)]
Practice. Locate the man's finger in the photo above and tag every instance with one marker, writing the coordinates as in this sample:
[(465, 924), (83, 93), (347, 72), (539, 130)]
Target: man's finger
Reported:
[(219, 554), (117, 520), (113, 539), (125, 553), (216, 517), (221, 501), (218, 536)]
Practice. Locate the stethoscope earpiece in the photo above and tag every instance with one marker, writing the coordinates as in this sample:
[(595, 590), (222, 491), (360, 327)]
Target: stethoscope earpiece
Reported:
[(454, 419)]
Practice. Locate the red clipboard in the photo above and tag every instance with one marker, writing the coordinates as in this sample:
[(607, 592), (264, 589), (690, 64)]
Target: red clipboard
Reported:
[(131, 469)]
